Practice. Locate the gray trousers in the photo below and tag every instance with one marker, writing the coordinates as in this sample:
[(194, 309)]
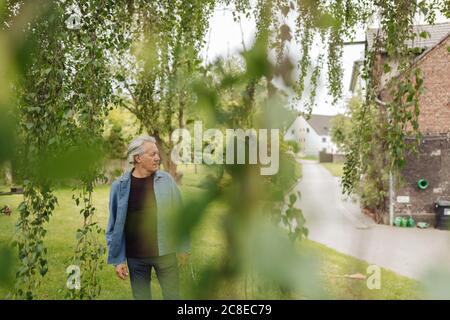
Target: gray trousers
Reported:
[(166, 268)]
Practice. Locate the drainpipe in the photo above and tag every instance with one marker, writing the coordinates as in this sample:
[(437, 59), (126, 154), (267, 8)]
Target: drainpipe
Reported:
[(391, 199), (391, 178)]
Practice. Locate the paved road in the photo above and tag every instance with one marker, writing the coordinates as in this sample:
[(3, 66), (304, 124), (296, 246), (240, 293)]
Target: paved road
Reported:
[(339, 224)]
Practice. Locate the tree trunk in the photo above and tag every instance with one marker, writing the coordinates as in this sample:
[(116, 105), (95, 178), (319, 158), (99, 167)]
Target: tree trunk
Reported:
[(8, 173), (166, 160)]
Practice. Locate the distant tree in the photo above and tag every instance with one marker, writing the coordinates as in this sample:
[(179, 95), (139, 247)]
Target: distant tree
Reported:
[(294, 145), (341, 126), (116, 144), (157, 65)]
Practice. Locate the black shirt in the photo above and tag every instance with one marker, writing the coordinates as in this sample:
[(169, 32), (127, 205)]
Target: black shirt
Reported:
[(141, 239)]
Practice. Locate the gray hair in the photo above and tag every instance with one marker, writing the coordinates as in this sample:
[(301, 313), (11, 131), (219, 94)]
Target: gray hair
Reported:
[(135, 148)]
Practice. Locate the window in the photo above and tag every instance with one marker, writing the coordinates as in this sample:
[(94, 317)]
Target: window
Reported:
[(292, 131), (307, 130), (324, 139)]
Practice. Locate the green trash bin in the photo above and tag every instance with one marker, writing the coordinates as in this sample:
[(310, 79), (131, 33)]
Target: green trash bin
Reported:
[(404, 222), (411, 222)]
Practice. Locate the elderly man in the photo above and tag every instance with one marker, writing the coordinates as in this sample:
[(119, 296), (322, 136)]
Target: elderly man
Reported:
[(137, 234)]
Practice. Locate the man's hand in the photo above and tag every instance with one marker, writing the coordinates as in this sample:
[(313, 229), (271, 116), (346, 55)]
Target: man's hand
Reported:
[(183, 259), (122, 271)]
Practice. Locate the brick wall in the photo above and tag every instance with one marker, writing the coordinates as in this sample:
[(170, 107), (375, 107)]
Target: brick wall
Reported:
[(435, 101), (433, 165), (433, 160)]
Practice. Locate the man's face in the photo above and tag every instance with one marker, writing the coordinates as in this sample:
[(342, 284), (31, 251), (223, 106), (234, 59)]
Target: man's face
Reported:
[(149, 160)]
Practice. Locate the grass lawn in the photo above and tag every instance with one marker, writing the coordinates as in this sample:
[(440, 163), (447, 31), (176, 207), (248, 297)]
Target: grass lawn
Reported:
[(334, 265), (207, 245), (310, 158), (336, 169)]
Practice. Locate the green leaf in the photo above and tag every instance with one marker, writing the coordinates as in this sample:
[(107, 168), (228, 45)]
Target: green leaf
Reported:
[(424, 34)]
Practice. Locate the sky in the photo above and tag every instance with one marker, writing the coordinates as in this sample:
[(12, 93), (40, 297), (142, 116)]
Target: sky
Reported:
[(225, 38)]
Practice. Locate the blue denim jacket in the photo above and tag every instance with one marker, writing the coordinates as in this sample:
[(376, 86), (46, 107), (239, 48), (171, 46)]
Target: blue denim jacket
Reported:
[(168, 199)]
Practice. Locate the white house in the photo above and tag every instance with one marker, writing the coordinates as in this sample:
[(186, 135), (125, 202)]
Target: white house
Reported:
[(313, 135)]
